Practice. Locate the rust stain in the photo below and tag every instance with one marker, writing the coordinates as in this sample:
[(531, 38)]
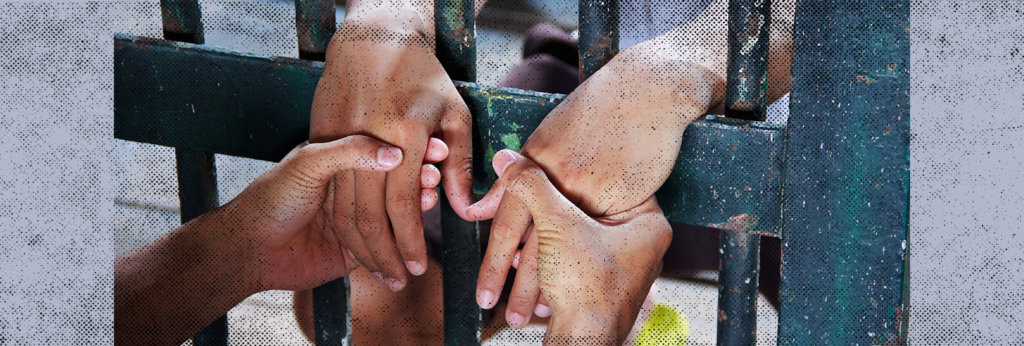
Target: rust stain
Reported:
[(866, 79)]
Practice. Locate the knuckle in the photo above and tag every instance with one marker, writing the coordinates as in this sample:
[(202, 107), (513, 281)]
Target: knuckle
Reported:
[(369, 225), (521, 298), (503, 231), (403, 204)]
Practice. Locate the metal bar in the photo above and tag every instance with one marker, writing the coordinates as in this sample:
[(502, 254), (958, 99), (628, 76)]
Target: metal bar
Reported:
[(197, 191), (332, 319), (737, 288), (314, 26), (182, 20), (847, 182), (197, 177), (745, 98), (747, 72), (725, 168), (599, 34), (455, 38)]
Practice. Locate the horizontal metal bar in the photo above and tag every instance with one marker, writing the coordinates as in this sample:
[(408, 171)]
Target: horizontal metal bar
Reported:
[(182, 95)]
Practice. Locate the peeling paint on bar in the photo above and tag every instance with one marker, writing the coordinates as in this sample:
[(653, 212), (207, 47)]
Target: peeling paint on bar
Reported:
[(314, 26), (599, 34), (747, 82)]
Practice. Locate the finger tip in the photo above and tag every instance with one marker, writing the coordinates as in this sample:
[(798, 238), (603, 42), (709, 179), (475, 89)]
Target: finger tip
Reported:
[(415, 268)]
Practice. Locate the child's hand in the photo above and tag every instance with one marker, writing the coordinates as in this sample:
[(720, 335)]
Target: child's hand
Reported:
[(594, 273)]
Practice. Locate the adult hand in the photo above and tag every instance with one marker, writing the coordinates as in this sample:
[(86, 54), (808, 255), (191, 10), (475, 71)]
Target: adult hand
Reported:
[(295, 247), (608, 147), (594, 272), (381, 79)]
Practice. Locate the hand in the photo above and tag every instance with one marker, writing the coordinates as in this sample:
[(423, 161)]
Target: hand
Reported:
[(608, 147), (595, 272), (283, 209), (381, 79)]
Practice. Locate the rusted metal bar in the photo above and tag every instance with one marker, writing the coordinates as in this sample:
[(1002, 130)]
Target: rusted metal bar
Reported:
[(747, 75), (182, 20), (737, 282), (314, 26), (599, 34), (455, 38), (197, 175), (745, 98)]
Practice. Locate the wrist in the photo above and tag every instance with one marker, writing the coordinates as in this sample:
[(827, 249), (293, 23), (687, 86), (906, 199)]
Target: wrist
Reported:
[(697, 83), (230, 239)]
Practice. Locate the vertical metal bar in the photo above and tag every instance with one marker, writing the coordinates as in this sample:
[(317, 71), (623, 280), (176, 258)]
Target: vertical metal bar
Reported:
[(182, 20), (847, 178), (332, 318), (314, 26), (746, 87), (599, 34), (197, 191), (455, 39), (332, 315), (737, 287), (745, 98), (197, 174)]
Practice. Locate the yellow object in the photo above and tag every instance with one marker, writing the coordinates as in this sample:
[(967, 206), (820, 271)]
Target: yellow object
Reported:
[(665, 326)]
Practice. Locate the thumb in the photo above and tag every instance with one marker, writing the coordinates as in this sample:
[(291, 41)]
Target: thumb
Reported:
[(526, 181), (321, 161)]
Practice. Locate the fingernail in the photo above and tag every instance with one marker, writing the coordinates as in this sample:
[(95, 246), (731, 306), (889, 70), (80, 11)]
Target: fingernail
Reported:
[(485, 298), (515, 320), (389, 156), (415, 267), (502, 160), (542, 310), (515, 261), (394, 285), (378, 276)]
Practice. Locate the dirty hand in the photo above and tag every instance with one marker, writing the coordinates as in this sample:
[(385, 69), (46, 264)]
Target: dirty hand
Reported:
[(382, 80), (594, 272), (281, 210), (608, 147)]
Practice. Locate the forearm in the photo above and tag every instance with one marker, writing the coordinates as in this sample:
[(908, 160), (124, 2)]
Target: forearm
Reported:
[(170, 289), (703, 42)]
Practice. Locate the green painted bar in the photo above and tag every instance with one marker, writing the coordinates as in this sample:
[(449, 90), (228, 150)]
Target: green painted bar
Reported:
[(745, 98), (847, 183), (455, 40), (332, 321), (726, 167), (314, 26), (599, 34), (182, 20)]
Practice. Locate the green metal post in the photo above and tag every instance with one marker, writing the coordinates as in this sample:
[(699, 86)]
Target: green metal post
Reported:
[(314, 26), (599, 34), (455, 39), (197, 175), (745, 98), (847, 181)]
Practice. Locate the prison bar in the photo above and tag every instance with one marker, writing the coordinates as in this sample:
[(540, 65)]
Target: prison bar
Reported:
[(745, 98), (197, 176), (847, 181), (599, 34), (332, 320), (455, 42)]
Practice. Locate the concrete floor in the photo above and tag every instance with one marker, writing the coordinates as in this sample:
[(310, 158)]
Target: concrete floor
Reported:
[(146, 203)]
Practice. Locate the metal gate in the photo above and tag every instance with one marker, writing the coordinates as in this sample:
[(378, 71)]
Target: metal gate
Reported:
[(833, 183)]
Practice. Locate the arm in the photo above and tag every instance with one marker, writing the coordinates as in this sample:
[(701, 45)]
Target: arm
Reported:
[(266, 238), (613, 142), (381, 79)]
